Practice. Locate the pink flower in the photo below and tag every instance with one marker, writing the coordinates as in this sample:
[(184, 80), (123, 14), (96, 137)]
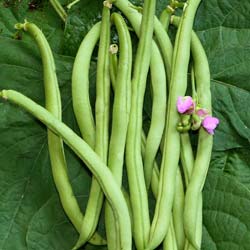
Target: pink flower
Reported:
[(210, 123), (185, 105), (201, 112)]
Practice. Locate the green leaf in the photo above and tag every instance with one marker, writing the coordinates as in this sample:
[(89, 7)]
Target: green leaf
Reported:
[(49, 228), (15, 11), (226, 213), (81, 17), (233, 162), (226, 23)]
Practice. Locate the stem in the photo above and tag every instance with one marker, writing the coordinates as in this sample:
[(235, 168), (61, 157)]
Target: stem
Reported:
[(59, 9)]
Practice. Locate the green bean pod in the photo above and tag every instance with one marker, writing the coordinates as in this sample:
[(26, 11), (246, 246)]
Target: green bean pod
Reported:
[(102, 105), (171, 150), (80, 85), (113, 49), (166, 16), (187, 154), (158, 83), (95, 164), (83, 112), (178, 202), (134, 164), (205, 143), (159, 92), (55, 143), (155, 174), (120, 118), (170, 242)]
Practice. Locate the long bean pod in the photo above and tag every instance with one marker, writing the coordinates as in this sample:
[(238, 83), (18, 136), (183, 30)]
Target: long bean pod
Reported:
[(201, 71), (120, 118), (205, 143), (80, 85), (155, 172), (83, 113), (102, 125), (159, 93), (55, 143), (134, 164), (95, 164), (158, 83), (175, 237), (171, 151)]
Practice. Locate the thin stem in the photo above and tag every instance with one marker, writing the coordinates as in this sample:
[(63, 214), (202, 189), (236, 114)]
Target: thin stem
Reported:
[(59, 9)]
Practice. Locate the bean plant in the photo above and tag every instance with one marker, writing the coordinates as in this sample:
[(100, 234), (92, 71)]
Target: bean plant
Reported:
[(114, 142)]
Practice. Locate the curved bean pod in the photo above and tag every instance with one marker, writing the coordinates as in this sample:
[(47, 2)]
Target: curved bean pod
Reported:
[(201, 70), (155, 173), (95, 164), (55, 143), (80, 85), (158, 116), (170, 242), (120, 118), (171, 150), (102, 126), (133, 145), (175, 236), (205, 143), (137, 187), (83, 113)]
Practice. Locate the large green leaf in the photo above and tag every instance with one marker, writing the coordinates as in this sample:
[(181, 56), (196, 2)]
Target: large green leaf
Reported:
[(226, 213)]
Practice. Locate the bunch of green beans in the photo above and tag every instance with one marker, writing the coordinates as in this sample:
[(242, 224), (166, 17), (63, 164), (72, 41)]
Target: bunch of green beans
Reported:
[(113, 137)]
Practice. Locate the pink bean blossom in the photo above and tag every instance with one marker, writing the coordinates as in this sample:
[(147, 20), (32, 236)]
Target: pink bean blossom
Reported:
[(202, 112), (185, 105), (209, 123)]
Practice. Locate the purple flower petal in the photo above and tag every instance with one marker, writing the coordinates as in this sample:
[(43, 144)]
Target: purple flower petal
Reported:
[(185, 105), (202, 112), (210, 123)]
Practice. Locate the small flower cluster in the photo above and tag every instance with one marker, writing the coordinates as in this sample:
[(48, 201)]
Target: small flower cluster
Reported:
[(194, 116)]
